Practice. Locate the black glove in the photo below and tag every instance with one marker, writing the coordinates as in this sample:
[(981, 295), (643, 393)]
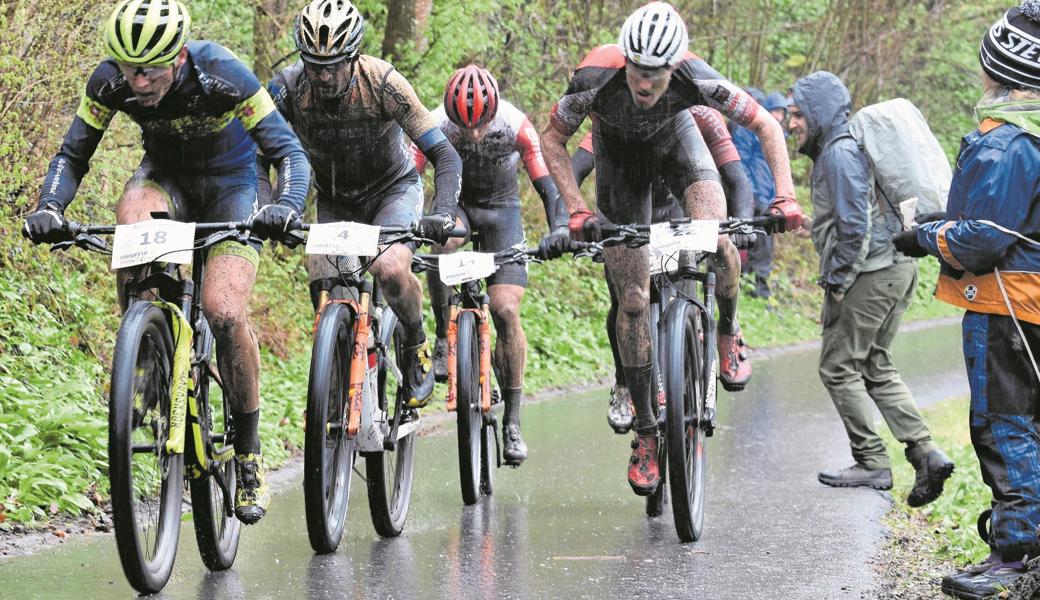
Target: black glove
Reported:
[(555, 244), (273, 220), (906, 242), (46, 225), (939, 215), (436, 227)]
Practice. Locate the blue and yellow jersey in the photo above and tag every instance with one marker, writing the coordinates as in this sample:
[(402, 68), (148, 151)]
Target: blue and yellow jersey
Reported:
[(211, 120)]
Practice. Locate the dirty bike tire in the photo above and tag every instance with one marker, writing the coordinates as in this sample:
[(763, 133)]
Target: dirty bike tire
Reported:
[(467, 409), (142, 377), (390, 472), (685, 389), (328, 456)]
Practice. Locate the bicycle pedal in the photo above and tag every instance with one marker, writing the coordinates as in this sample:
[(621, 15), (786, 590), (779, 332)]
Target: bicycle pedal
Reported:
[(496, 396)]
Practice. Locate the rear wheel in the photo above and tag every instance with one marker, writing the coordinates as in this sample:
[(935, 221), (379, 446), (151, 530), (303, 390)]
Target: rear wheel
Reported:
[(217, 531), (146, 480), (467, 411), (685, 390), (390, 472), (328, 457), (488, 456)]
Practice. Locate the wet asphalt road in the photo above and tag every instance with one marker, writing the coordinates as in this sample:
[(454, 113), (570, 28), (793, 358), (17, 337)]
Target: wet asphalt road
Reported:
[(565, 525)]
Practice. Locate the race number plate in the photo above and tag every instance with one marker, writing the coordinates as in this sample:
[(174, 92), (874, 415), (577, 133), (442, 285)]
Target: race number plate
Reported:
[(666, 241), (461, 267), (147, 241), (356, 239)]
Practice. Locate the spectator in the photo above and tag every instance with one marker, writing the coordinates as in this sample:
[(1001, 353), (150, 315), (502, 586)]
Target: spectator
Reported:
[(868, 288), (992, 271), (754, 162)]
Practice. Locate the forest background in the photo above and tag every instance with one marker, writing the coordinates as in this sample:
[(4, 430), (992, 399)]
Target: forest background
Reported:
[(58, 313)]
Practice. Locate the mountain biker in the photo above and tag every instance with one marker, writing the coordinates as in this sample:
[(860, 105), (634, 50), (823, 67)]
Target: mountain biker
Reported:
[(990, 267), (638, 92), (202, 114), (491, 135), (349, 110), (740, 204)]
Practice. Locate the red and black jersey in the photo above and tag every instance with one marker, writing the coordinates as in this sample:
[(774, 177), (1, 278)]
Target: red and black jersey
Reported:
[(598, 88)]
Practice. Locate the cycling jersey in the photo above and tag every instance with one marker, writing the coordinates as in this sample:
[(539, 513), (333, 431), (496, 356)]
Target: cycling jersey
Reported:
[(354, 139), (489, 166), (206, 124), (713, 130), (598, 88)]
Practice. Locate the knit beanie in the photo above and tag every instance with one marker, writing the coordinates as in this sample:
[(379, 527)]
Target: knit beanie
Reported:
[(1010, 52)]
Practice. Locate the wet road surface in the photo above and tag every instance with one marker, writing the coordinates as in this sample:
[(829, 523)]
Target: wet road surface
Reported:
[(565, 525)]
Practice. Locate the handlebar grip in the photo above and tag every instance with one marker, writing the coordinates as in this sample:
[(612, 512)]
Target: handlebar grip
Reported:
[(459, 232)]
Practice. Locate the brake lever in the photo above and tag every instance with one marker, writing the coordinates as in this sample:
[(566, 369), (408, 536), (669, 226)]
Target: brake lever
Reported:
[(62, 246), (93, 243)]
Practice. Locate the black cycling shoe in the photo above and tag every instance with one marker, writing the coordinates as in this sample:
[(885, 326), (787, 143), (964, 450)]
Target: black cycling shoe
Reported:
[(514, 451), (984, 580), (418, 374), (933, 469), (857, 476)]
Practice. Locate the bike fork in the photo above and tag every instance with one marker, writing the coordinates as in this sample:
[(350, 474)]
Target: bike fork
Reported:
[(359, 363), (484, 335)]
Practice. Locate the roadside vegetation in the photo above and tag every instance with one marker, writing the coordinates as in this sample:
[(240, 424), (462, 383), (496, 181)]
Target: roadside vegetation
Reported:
[(58, 313)]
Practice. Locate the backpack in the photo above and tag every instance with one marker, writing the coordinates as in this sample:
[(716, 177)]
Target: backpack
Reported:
[(905, 157)]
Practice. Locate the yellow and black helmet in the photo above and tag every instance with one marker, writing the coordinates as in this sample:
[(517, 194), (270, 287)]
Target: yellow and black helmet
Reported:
[(147, 32), (329, 30)]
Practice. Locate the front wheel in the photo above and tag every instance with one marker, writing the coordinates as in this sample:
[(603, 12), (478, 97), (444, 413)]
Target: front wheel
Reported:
[(685, 391), (146, 480), (328, 457), (390, 472), (467, 411)]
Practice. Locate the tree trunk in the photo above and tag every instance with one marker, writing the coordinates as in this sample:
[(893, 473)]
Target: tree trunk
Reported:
[(270, 21), (406, 24)]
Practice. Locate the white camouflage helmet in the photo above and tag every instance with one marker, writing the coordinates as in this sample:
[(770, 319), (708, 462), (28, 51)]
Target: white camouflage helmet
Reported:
[(329, 30), (654, 36)]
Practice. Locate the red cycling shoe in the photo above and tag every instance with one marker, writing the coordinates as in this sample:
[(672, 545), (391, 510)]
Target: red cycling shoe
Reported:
[(644, 475), (734, 364)]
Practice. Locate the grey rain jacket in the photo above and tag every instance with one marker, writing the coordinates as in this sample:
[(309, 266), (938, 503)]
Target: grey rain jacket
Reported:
[(851, 233)]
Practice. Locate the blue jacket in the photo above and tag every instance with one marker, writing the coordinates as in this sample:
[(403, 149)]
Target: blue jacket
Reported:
[(754, 160), (851, 233), (997, 179)]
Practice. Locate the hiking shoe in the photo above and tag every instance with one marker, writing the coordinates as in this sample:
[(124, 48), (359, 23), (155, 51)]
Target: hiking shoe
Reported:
[(440, 360), (933, 469), (644, 475), (857, 476), (983, 580), (417, 373), (252, 494), (619, 413), (734, 365), (514, 451)]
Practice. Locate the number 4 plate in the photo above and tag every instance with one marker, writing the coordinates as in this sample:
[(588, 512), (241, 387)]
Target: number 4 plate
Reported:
[(148, 241), (343, 238)]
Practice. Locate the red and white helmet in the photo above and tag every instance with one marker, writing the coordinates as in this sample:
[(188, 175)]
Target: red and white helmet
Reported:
[(471, 97), (654, 36)]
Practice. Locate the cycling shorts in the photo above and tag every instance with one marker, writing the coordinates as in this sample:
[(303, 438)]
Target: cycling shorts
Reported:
[(626, 170), (398, 205), (498, 229), (206, 198)]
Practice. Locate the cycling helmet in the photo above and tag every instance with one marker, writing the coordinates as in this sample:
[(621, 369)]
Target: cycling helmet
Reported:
[(147, 32), (471, 97), (654, 36), (329, 30)]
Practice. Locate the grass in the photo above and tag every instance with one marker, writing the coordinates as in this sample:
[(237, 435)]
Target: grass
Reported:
[(952, 517)]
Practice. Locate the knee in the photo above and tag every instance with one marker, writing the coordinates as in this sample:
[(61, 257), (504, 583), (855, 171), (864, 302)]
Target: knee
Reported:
[(634, 301), (392, 269), (223, 319), (506, 315)]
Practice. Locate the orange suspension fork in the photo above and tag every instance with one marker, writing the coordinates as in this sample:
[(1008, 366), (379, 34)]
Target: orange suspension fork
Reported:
[(358, 365), (453, 353), (484, 333)]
